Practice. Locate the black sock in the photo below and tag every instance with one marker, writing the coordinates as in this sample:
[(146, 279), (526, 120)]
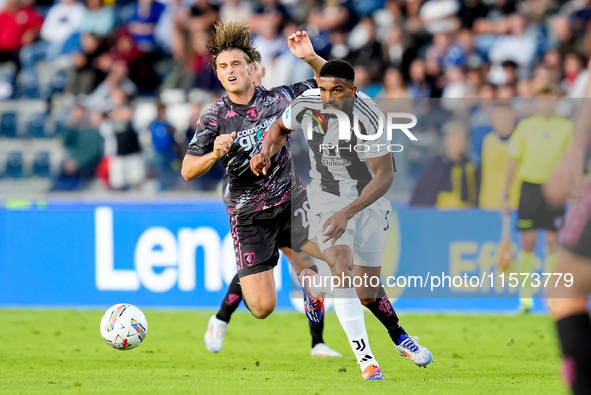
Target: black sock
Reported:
[(231, 300), (383, 310), (574, 333), (316, 332)]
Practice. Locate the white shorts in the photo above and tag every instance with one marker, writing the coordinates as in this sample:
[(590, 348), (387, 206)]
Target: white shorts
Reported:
[(128, 170), (366, 232)]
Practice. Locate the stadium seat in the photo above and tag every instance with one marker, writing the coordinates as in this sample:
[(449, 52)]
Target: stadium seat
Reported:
[(29, 85), (145, 112), (178, 115), (41, 164), (173, 96), (58, 128), (6, 88), (57, 83), (8, 124), (14, 164), (36, 126)]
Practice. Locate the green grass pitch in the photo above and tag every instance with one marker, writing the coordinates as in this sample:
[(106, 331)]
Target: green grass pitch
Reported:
[(61, 351)]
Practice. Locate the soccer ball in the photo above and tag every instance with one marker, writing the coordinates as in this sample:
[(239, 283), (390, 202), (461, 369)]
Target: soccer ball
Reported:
[(124, 326)]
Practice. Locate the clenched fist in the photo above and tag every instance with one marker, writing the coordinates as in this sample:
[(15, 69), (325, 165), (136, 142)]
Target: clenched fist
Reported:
[(260, 163), (222, 144)]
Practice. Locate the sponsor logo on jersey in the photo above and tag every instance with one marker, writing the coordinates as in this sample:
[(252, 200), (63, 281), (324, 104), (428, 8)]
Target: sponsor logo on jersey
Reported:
[(335, 161), (255, 129), (269, 100), (249, 138), (261, 134), (230, 114), (331, 157)]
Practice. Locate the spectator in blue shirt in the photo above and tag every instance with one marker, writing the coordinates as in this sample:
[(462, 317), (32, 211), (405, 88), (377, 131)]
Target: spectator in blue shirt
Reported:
[(142, 23), (166, 150)]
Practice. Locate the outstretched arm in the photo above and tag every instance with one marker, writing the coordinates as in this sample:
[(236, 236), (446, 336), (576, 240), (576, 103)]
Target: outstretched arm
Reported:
[(300, 45), (274, 141)]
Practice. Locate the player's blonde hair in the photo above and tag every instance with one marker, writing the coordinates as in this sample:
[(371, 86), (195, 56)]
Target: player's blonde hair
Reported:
[(232, 35)]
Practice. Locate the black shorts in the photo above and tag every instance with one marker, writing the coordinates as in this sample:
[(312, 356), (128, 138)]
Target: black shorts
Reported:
[(535, 212), (576, 234), (258, 236)]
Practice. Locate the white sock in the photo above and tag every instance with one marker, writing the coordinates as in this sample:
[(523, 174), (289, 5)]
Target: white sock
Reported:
[(350, 314)]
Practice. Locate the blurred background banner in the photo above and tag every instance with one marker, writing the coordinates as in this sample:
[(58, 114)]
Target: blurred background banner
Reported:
[(165, 254), (180, 254)]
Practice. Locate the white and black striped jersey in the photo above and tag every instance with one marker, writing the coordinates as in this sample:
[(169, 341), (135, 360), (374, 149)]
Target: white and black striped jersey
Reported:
[(338, 166)]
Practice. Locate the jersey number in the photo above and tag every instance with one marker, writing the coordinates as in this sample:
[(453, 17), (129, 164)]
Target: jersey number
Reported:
[(303, 211), (387, 218)]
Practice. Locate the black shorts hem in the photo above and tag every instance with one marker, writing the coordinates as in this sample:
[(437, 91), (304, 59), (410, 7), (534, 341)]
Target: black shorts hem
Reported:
[(535, 226), (298, 242), (255, 269)]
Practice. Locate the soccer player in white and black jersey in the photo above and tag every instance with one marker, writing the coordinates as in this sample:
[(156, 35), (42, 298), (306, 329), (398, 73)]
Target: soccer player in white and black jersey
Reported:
[(349, 215)]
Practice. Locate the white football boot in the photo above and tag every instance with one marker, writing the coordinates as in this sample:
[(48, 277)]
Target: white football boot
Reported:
[(322, 350), (411, 349), (214, 337)]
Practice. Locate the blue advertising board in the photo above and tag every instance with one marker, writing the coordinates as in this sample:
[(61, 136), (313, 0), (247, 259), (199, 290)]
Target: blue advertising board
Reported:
[(180, 254)]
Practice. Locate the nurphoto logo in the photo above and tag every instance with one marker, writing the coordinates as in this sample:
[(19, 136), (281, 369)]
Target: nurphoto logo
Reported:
[(317, 122)]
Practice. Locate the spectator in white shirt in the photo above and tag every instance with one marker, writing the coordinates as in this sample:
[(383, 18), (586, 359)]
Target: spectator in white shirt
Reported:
[(63, 19), (519, 46)]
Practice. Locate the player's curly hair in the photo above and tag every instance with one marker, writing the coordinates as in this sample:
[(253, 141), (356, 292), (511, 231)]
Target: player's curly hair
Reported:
[(232, 35)]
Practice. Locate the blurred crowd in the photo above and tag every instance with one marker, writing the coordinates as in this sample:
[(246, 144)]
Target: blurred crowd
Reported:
[(105, 56)]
